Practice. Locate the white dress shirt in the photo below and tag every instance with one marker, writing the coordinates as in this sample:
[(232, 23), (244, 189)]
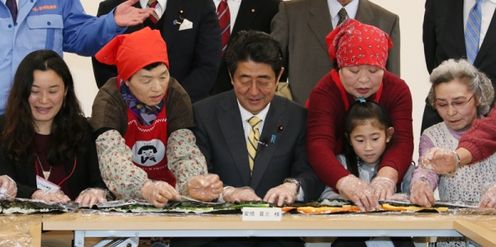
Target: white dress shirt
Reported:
[(246, 115), (335, 7)]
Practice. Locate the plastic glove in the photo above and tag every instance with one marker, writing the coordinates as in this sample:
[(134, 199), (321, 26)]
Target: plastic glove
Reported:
[(91, 196), (205, 187), (8, 187), (361, 193), (489, 198), (384, 187), (441, 161), (51, 196), (399, 197), (242, 194), (282, 194), (421, 193), (159, 193)]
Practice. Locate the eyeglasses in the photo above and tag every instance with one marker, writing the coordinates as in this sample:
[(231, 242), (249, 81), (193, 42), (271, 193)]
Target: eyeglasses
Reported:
[(457, 104)]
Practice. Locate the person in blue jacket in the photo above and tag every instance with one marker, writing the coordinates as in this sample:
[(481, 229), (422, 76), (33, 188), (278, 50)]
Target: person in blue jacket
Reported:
[(59, 25)]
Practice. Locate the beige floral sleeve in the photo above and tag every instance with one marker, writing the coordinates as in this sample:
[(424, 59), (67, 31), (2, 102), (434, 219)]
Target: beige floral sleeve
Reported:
[(184, 158), (121, 176)]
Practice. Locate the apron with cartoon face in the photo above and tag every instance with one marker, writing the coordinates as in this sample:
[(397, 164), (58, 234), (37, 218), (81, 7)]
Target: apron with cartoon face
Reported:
[(149, 145)]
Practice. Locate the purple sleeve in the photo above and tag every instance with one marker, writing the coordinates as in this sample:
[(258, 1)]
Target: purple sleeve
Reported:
[(432, 178), (425, 144)]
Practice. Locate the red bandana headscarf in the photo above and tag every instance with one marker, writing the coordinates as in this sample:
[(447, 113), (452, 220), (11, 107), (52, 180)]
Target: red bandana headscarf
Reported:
[(354, 43), (134, 51)]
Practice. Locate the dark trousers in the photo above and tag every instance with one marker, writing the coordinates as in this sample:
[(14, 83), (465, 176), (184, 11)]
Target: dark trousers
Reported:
[(360, 242), (237, 242)]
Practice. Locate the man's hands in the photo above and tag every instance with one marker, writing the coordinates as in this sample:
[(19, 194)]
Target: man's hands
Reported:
[(205, 187), (126, 14), (283, 194), (280, 195), (241, 194), (159, 193)]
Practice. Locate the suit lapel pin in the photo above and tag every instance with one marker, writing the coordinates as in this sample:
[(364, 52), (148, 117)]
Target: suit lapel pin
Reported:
[(273, 139)]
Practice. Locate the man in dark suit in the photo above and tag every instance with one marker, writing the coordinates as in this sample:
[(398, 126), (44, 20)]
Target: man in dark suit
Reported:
[(444, 38), (278, 171), (301, 27), (191, 31), (249, 15)]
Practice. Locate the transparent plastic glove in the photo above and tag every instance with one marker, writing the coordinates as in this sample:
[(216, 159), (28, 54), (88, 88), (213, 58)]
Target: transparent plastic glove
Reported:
[(8, 188), (51, 197), (442, 161), (241, 194), (384, 187), (399, 197), (361, 193), (282, 194), (91, 196), (159, 193), (421, 193), (205, 187), (488, 199)]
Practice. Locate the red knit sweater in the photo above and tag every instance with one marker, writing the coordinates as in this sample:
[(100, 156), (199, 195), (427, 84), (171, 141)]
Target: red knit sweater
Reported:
[(326, 114), (480, 139)]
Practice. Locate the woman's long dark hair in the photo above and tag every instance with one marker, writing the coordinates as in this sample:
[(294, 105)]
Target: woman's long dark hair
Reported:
[(359, 112), (69, 126)]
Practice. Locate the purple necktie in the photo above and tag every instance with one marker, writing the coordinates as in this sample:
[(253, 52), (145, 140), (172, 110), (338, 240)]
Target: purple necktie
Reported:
[(12, 5)]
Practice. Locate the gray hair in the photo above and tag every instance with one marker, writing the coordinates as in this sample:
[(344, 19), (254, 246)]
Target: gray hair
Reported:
[(476, 82)]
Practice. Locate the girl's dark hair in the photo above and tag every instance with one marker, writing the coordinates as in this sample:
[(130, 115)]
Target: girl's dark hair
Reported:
[(69, 125), (359, 112)]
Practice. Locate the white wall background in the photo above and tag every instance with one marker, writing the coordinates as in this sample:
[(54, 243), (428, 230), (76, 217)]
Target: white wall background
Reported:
[(413, 67)]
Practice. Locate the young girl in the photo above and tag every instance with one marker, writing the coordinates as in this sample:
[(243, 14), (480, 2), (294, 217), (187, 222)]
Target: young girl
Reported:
[(368, 130)]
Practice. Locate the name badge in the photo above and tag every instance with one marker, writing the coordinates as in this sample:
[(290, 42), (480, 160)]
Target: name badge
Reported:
[(261, 214), (45, 185)]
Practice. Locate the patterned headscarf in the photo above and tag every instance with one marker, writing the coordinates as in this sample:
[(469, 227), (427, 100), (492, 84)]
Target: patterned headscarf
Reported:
[(354, 43)]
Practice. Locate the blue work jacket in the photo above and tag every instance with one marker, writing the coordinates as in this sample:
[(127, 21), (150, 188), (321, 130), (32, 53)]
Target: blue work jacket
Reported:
[(59, 25)]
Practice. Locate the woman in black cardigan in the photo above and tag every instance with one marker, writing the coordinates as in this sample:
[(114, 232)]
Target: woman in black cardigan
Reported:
[(46, 143)]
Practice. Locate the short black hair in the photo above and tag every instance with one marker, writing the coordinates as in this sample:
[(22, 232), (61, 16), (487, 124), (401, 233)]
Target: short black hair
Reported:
[(359, 112), (256, 46), (153, 66)]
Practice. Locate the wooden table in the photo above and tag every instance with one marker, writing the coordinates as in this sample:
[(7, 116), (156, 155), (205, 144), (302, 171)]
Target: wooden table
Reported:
[(20, 230), (86, 225), (26, 230), (482, 229)]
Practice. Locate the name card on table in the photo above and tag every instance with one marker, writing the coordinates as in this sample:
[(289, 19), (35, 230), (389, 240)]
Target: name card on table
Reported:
[(261, 214)]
